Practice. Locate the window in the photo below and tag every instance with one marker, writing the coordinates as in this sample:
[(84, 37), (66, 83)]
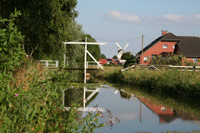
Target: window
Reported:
[(174, 47), (145, 59), (195, 60), (165, 46), (163, 109)]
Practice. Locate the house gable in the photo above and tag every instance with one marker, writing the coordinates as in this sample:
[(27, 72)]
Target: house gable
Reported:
[(161, 46)]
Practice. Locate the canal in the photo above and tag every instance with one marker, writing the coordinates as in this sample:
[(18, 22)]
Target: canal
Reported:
[(132, 112)]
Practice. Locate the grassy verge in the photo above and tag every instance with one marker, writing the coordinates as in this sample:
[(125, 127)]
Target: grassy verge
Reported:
[(179, 85)]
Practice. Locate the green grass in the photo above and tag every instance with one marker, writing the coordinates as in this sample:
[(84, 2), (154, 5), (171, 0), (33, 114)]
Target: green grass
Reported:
[(185, 85)]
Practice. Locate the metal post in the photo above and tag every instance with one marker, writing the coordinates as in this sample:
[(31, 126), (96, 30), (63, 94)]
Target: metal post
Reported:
[(84, 94), (64, 55), (85, 62), (56, 63), (47, 63)]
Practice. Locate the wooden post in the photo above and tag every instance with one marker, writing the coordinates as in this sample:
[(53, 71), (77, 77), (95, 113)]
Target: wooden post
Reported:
[(85, 62), (142, 48)]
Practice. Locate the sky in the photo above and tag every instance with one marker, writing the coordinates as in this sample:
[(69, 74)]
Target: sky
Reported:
[(125, 21)]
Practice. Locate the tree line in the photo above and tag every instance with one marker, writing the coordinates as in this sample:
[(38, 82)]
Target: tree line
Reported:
[(46, 24)]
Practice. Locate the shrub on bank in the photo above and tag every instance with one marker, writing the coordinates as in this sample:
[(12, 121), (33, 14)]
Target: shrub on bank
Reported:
[(31, 101)]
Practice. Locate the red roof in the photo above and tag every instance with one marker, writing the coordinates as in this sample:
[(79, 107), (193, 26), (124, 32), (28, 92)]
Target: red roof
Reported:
[(103, 61)]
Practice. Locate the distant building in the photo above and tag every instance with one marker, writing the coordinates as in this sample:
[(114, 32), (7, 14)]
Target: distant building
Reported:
[(103, 61), (115, 61), (169, 43), (109, 61)]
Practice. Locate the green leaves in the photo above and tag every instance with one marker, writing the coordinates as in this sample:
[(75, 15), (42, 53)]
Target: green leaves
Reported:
[(11, 41)]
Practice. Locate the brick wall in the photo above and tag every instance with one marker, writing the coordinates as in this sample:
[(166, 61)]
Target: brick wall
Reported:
[(157, 49)]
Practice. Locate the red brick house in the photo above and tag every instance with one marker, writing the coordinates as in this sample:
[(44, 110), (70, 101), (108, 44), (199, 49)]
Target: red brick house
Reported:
[(169, 43), (103, 61)]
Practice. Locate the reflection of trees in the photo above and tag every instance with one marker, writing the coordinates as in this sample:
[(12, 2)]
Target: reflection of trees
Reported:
[(74, 96), (125, 95), (185, 115)]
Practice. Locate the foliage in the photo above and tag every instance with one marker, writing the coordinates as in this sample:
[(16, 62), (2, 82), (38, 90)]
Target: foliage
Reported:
[(46, 25), (31, 102), (173, 83), (130, 60), (114, 57), (169, 59), (103, 56), (93, 49), (11, 42), (127, 56)]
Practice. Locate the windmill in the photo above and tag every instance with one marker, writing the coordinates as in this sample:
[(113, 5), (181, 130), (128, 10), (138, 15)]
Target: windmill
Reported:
[(121, 51)]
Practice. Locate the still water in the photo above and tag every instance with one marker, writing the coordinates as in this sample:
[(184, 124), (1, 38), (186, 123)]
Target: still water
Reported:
[(127, 113)]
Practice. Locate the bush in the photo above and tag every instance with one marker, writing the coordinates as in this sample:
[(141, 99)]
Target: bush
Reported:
[(11, 42)]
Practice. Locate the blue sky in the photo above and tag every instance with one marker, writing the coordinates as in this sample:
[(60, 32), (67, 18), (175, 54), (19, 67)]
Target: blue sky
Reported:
[(125, 21)]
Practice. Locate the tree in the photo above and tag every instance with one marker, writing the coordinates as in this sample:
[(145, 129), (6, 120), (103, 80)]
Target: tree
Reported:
[(44, 23), (130, 59), (127, 56), (11, 42), (103, 56), (93, 49), (114, 57)]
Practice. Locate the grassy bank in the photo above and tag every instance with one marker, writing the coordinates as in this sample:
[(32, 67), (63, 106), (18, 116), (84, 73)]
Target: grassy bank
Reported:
[(176, 84)]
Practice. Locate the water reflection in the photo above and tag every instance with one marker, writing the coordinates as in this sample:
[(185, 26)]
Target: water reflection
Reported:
[(135, 112), (73, 96), (165, 114)]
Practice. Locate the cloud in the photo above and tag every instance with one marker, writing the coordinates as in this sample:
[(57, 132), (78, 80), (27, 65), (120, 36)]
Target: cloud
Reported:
[(172, 17), (197, 16), (123, 17), (166, 19), (180, 20)]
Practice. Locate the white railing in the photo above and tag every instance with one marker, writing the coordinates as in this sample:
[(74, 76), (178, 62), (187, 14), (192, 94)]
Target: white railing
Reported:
[(49, 63), (192, 67), (92, 64)]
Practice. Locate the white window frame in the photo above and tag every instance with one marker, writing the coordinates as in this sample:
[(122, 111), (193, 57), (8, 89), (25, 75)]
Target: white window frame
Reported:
[(195, 60), (145, 58), (165, 46)]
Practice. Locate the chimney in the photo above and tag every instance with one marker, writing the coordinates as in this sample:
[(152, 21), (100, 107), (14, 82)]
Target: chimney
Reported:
[(164, 32)]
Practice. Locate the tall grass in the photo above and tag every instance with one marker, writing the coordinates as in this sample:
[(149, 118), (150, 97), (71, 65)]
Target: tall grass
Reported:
[(31, 101)]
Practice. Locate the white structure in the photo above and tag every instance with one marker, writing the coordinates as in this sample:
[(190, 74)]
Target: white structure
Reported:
[(86, 52), (85, 100), (49, 63), (121, 51), (85, 72)]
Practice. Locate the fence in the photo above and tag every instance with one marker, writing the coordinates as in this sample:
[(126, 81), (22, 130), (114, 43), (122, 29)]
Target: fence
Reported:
[(49, 63), (92, 64), (163, 67)]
